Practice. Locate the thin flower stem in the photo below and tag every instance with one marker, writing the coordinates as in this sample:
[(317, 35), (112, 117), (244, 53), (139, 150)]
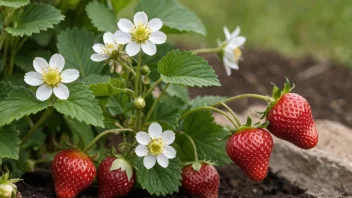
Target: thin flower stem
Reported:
[(130, 150), (233, 114), (156, 102), (193, 145), (127, 67), (208, 108), (266, 98), (152, 87), (130, 92), (115, 131), (44, 116), (18, 47), (138, 74), (206, 50)]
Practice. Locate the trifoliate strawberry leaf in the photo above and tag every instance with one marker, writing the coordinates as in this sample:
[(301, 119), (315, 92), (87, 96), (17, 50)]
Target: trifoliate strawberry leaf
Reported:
[(19, 102), (186, 68), (158, 180), (206, 134), (205, 101), (9, 142), (76, 46), (14, 3), (102, 17), (81, 105), (173, 14), (34, 18), (5, 88)]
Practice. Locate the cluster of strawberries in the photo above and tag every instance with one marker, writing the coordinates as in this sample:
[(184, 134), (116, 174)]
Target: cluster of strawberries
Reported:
[(289, 117)]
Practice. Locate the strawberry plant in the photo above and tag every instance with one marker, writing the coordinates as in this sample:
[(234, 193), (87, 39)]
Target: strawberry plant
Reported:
[(104, 98)]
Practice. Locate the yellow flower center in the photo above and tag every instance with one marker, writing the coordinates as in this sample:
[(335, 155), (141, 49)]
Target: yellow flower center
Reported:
[(109, 48), (237, 54), (140, 33), (156, 146), (51, 77)]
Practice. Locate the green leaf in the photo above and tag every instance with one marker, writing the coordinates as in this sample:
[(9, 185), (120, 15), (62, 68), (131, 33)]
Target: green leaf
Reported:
[(179, 91), (81, 105), (80, 130), (14, 3), (95, 79), (173, 14), (205, 101), (158, 180), (112, 87), (20, 102), (119, 104), (5, 88), (119, 5), (9, 142), (76, 46), (1, 23), (34, 18), (167, 113), (25, 60), (185, 68), (200, 126), (102, 17)]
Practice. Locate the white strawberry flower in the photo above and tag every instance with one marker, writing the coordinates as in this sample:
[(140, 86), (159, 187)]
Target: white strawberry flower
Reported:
[(232, 53), (50, 77), (141, 34), (154, 146), (106, 50)]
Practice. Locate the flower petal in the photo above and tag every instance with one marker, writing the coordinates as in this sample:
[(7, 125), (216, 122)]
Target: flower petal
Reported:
[(40, 64), (162, 160), (168, 137), (141, 150), (227, 33), (33, 78), (140, 18), (149, 48), (236, 42), (169, 152), (236, 32), (99, 57), (61, 91), (155, 24), (143, 138), (157, 37), (230, 64), (155, 130), (149, 161), (125, 25), (57, 61), (133, 48), (108, 37), (122, 37), (69, 75), (227, 67), (98, 48), (44, 92)]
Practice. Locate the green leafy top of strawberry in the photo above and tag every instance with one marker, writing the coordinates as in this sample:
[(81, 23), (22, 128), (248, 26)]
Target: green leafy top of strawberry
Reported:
[(198, 164), (7, 185), (121, 163)]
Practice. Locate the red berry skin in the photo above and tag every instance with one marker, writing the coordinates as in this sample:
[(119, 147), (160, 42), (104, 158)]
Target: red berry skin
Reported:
[(250, 149), (114, 183), (73, 172), (203, 183), (291, 120)]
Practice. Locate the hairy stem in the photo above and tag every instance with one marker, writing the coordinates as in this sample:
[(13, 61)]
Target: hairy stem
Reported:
[(233, 114), (127, 67), (152, 87), (193, 145), (115, 131), (257, 96), (206, 50)]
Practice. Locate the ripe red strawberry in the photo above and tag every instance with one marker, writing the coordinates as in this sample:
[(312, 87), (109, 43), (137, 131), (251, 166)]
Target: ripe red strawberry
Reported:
[(291, 119), (201, 179), (250, 149), (73, 171), (116, 177)]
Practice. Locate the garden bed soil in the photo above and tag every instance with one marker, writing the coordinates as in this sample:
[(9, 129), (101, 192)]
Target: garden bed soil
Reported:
[(326, 86)]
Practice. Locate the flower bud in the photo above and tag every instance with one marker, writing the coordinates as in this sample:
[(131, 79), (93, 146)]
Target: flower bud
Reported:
[(145, 70), (139, 103), (6, 190)]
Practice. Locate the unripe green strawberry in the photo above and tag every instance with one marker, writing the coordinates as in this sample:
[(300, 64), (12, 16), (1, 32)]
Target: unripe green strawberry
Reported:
[(73, 172)]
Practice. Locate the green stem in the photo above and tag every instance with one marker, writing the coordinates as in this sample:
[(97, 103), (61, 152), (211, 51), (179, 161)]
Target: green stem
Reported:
[(130, 150), (138, 74), (208, 108), (233, 114), (115, 131), (193, 145), (152, 87), (127, 67), (206, 50), (18, 47), (12, 60), (44, 116), (130, 92), (156, 102), (257, 96)]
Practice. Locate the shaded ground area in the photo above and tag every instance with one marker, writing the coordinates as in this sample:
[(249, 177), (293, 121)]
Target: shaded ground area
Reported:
[(326, 85)]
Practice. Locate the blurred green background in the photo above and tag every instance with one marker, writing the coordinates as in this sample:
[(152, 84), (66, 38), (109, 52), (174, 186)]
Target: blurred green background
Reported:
[(322, 28)]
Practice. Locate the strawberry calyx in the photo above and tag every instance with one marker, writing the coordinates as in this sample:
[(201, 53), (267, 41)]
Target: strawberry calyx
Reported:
[(79, 147), (197, 165), (121, 163), (276, 95), (7, 186)]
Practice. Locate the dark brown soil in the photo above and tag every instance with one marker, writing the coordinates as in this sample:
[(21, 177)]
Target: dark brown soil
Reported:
[(328, 92), (326, 85)]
